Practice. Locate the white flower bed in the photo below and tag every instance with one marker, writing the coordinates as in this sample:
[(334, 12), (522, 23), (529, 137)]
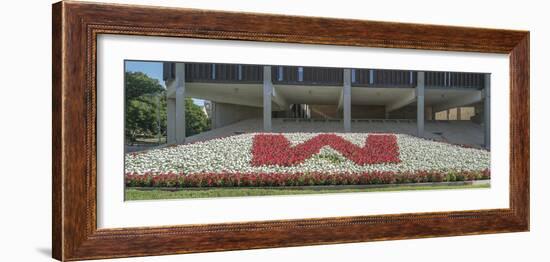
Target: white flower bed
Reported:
[(233, 155)]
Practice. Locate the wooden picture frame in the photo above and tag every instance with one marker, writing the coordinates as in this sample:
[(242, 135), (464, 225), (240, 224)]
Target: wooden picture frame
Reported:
[(76, 26)]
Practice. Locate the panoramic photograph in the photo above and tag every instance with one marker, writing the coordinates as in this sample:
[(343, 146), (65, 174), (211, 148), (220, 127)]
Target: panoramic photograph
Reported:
[(203, 130)]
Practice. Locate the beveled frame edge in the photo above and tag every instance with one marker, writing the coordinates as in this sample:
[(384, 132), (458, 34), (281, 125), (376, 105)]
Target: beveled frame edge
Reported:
[(75, 27)]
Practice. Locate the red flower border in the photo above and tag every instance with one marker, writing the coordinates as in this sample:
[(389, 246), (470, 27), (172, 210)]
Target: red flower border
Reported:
[(296, 179)]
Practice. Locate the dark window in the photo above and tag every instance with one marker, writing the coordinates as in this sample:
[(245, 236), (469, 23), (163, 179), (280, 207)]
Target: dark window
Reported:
[(240, 72), (214, 71), (168, 71), (371, 76)]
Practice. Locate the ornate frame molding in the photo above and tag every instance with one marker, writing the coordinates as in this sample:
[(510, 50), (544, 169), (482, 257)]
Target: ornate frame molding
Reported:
[(76, 26)]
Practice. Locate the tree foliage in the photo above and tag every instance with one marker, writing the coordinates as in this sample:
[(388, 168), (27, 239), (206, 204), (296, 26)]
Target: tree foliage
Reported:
[(196, 120), (139, 84), (146, 105)]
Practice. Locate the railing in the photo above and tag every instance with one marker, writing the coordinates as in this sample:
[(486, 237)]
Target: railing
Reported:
[(454, 80), (200, 72), (383, 78), (296, 75)]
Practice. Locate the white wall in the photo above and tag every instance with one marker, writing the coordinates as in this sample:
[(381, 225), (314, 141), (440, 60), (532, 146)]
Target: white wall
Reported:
[(25, 125), (225, 114)]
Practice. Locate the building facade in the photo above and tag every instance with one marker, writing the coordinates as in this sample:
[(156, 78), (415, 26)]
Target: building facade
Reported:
[(236, 92)]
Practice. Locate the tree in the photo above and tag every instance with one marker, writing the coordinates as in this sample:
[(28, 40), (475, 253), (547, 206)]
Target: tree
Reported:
[(138, 84), (145, 105), (196, 120), (146, 101), (144, 115)]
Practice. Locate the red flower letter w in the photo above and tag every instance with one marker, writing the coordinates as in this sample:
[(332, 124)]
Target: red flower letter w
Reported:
[(275, 149)]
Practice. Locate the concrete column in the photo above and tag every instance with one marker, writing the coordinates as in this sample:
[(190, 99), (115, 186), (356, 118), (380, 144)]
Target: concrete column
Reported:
[(428, 113), (180, 103), (171, 121), (487, 111), (213, 115), (347, 100), (458, 113), (420, 104), (268, 92)]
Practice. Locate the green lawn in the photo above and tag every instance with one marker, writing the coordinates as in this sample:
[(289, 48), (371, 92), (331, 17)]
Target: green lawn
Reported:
[(137, 194)]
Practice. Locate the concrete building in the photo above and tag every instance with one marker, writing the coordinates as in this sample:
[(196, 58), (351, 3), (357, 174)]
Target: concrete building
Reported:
[(237, 92)]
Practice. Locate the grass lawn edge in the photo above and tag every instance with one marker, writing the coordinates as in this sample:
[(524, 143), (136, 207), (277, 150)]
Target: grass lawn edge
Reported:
[(156, 193)]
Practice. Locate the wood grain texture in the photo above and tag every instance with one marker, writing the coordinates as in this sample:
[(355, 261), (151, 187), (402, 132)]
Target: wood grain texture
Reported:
[(57, 199), (76, 26), (519, 129)]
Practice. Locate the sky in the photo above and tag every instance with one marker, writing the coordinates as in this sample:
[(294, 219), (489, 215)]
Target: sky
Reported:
[(153, 70)]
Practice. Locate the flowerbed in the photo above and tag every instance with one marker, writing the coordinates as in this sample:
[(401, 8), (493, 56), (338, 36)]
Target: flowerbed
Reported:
[(296, 159), (269, 149), (295, 179)]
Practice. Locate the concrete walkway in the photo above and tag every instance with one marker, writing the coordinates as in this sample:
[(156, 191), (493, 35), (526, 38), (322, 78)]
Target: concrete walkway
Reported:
[(456, 132)]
